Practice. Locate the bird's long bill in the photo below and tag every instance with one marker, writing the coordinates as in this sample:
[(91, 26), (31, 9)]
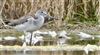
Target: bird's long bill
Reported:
[(49, 18)]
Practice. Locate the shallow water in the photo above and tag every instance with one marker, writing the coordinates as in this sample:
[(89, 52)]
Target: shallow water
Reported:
[(46, 53), (18, 53)]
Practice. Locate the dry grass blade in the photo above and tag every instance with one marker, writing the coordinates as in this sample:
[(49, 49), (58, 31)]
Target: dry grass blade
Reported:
[(77, 10), (4, 1)]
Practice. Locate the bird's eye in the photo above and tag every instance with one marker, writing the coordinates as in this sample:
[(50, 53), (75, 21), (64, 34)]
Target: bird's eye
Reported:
[(41, 12)]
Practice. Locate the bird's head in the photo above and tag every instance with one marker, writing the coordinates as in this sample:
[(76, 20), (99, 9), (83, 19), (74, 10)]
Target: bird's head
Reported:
[(45, 15)]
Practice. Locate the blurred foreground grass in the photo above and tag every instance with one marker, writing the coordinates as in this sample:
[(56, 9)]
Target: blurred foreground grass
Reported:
[(73, 34)]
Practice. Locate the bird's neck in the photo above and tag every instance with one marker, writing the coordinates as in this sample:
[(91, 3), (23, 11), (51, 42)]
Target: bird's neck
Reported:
[(40, 20)]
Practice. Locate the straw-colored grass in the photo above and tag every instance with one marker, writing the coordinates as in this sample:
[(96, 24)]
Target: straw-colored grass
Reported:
[(69, 11)]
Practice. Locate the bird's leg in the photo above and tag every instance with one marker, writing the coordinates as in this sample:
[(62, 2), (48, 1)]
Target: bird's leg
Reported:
[(31, 39), (35, 34), (24, 36)]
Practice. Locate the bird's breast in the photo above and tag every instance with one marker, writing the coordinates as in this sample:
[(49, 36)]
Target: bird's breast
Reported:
[(39, 22)]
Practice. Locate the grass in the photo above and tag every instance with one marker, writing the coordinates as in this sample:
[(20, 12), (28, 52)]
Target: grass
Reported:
[(71, 14), (71, 11), (10, 32)]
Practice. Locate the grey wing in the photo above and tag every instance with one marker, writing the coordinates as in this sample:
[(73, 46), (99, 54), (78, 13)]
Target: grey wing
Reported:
[(19, 21)]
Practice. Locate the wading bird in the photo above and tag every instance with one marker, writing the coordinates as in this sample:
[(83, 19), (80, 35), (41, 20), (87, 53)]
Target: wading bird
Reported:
[(30, 23)]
